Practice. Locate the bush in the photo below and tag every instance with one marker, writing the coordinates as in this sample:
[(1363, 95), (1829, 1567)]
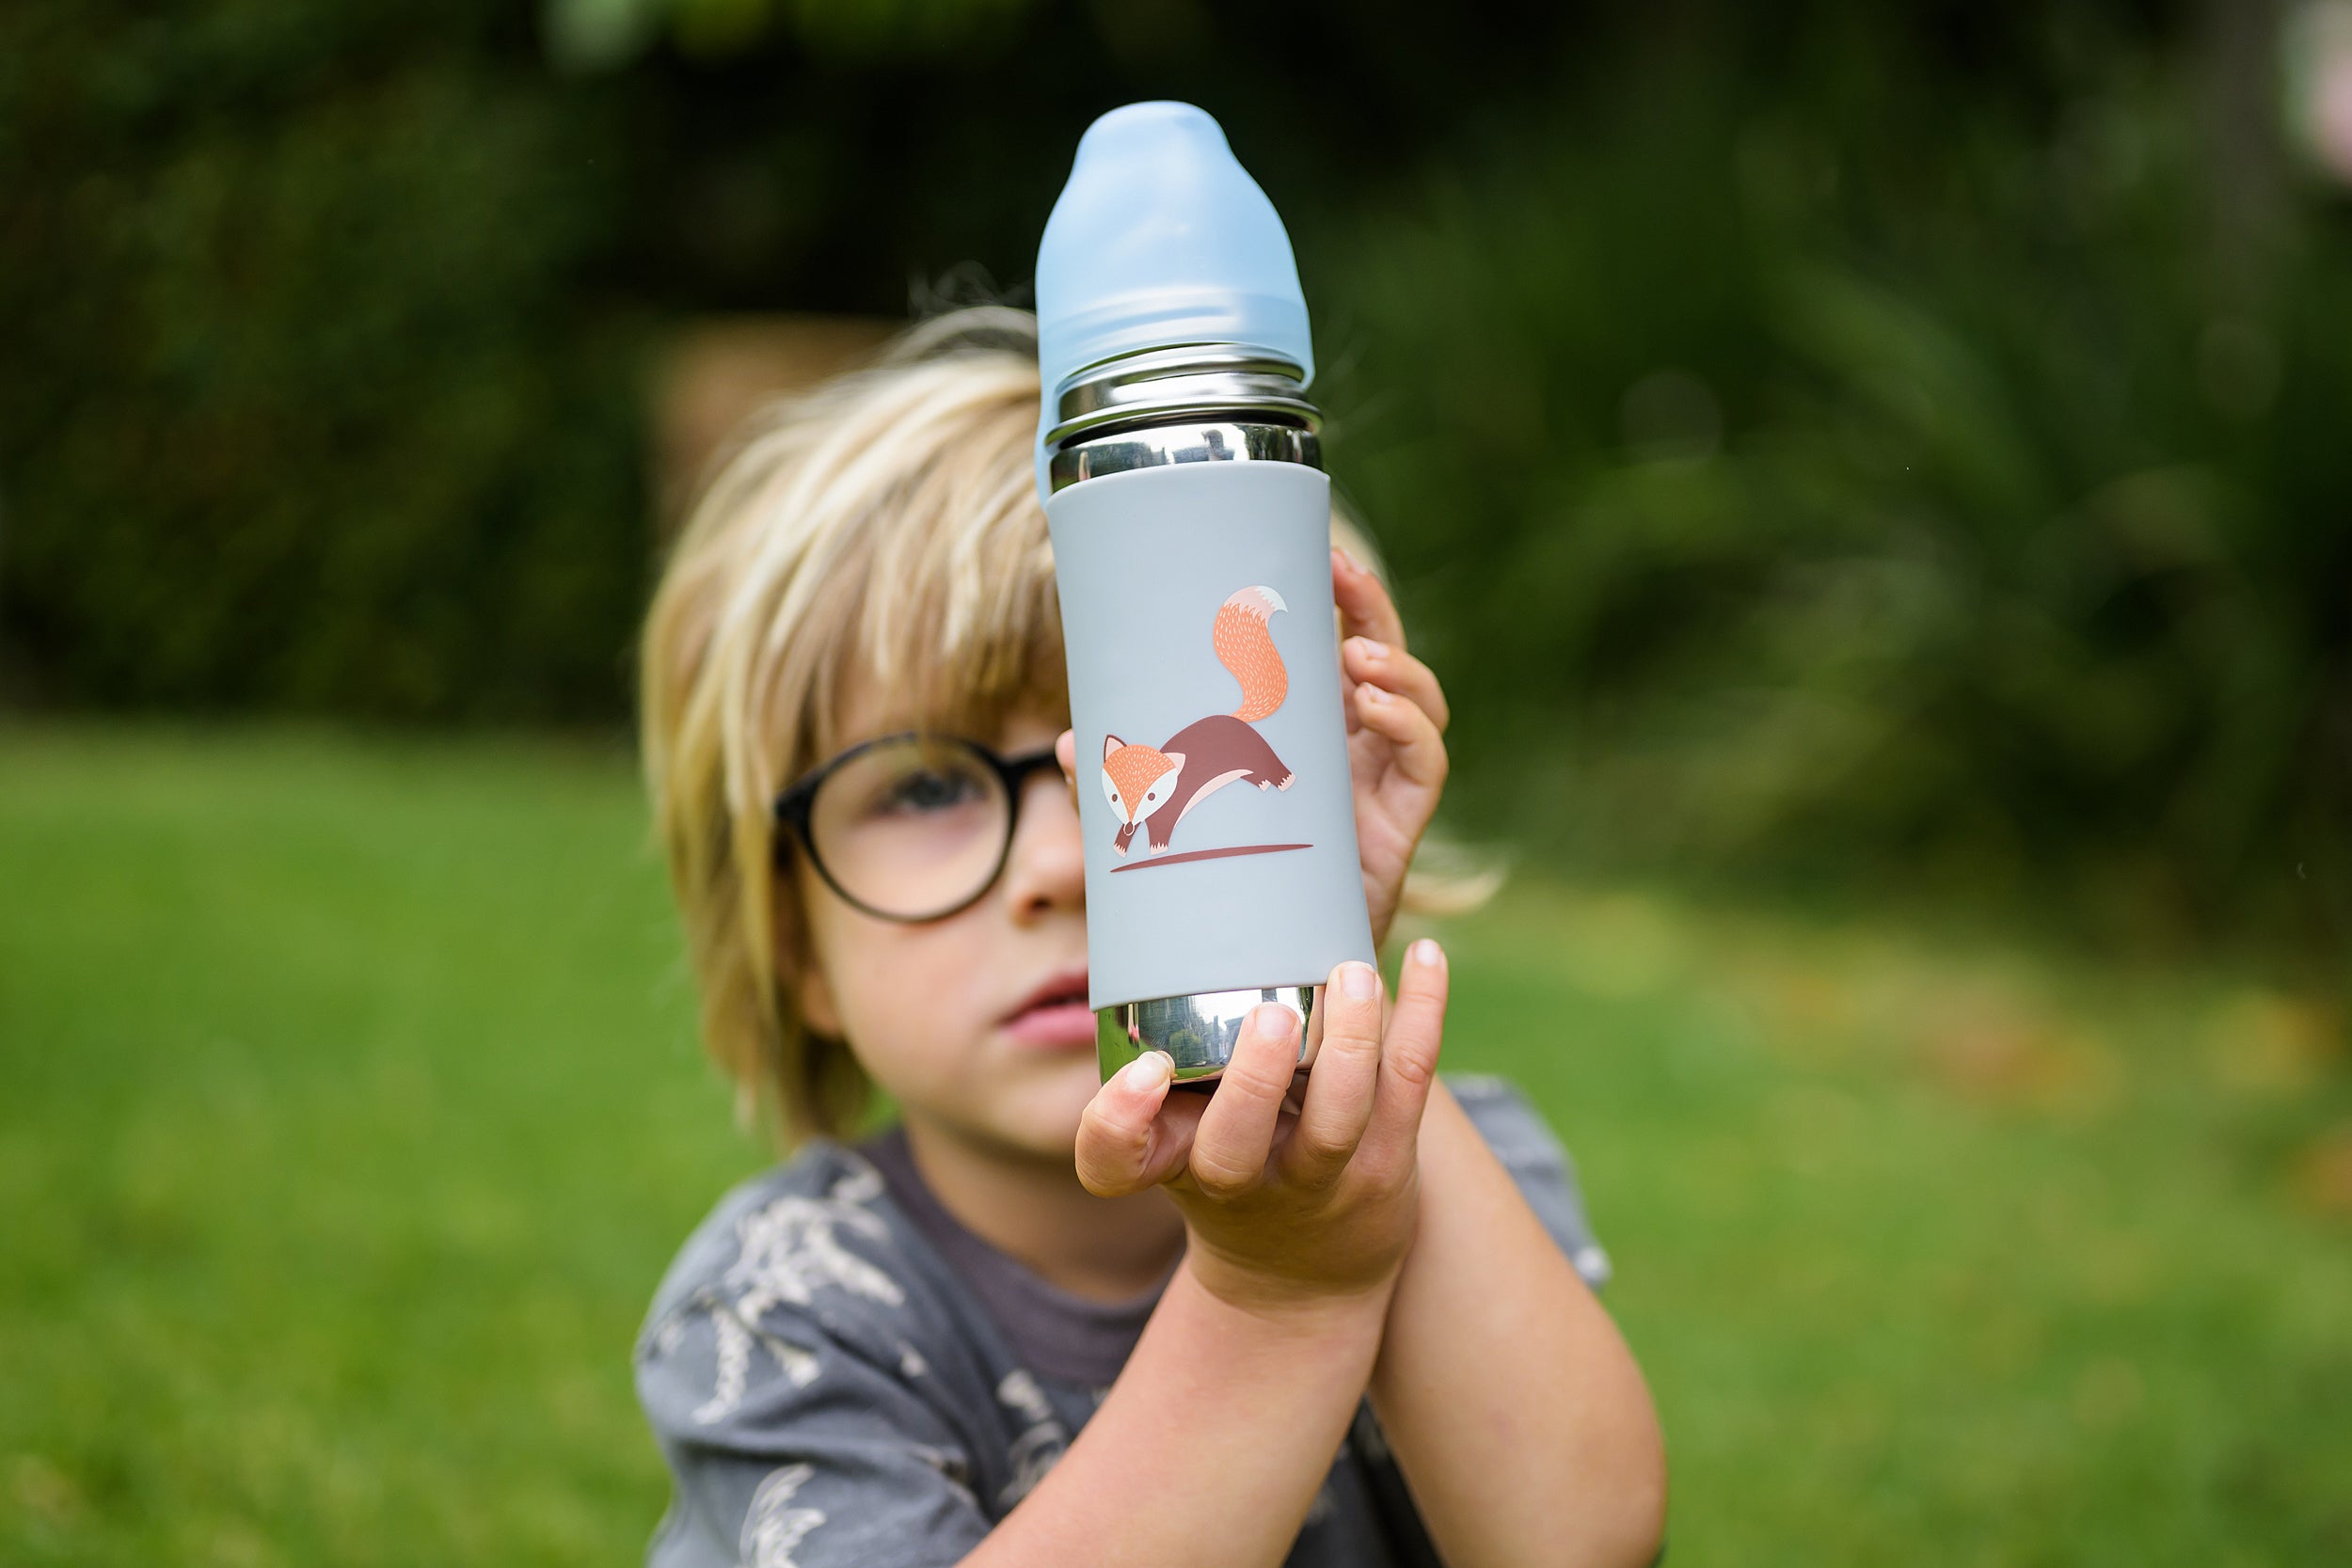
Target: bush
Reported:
[(311, 402), (1945, 509), (1891, 447)]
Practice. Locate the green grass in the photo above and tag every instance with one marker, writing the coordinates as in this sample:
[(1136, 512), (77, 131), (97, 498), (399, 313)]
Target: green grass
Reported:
[(349, 1109)]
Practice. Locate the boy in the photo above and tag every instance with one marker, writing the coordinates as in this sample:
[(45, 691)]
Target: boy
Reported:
[(1334, 1318)]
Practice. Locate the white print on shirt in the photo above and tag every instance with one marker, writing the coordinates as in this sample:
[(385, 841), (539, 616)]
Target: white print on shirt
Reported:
[(790, 1250), (1035, 1451), (733, 1354), (772, 1528)]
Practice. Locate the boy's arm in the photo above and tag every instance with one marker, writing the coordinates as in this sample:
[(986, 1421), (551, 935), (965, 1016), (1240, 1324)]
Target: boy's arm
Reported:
[(1209, 1449), (1507, 1395), (1212, 1443)]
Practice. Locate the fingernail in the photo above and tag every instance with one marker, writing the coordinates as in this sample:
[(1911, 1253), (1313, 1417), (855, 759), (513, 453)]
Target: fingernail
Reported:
[(1371, 650), (1346, 559), (1371, 693), (1272, 1019), (1145, 1070), (1359, 981), (1426, 952)]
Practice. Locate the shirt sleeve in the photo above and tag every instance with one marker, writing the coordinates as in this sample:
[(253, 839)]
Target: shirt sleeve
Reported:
[(1530, 1150), (791, 1447)]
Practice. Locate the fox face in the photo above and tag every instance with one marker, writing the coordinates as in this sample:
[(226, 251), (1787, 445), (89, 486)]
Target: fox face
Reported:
[(1137, 781)]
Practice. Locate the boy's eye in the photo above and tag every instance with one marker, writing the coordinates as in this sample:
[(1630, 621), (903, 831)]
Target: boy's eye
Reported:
[(928, 789)]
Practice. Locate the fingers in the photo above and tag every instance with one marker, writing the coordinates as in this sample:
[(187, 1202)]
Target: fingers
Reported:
[(1340, 1089), (1066, 753), (1392, 668), (1365, 608), (1421, 755), (1118, 1152), (1229, 1150), (1408, 1053)]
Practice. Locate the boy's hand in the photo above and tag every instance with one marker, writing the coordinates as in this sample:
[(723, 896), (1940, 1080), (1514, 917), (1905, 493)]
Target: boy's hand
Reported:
[(1287, 1209), (1396, 717)]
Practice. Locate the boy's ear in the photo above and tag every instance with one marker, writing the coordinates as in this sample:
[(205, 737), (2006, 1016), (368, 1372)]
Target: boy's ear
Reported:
[(810, 993), (813, 1000)]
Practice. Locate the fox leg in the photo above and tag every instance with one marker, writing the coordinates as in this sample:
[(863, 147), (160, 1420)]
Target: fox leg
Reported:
[(1273, 775), (1160, 827)]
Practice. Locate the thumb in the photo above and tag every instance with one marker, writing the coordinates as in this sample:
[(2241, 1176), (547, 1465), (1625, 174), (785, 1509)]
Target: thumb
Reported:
[(1066, 753), (1114, 1133)]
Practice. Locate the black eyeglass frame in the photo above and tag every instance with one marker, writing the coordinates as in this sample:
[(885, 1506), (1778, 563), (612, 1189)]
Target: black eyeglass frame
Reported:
[(796, 802)]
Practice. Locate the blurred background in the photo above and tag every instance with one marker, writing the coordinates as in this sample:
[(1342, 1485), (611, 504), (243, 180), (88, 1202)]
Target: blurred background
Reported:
[(1874, 482)]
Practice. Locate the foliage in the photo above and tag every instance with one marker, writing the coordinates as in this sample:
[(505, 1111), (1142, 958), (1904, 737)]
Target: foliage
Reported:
[(1943, 510), (599, 34), (1890, 447), (310, 402)]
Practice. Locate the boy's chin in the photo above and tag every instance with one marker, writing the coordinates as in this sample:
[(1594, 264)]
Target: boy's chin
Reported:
[(1046, 1125), (1028, 1142), (1012, 1135)]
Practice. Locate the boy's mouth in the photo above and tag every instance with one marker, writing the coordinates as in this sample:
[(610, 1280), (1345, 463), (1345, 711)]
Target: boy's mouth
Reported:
[(1054, 1015)]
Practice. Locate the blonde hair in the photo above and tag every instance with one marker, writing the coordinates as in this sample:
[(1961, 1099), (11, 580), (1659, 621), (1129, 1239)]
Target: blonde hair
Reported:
[(913, 472)]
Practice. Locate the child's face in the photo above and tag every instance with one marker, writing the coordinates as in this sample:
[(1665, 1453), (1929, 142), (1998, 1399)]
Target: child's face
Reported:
[(928, 1007)]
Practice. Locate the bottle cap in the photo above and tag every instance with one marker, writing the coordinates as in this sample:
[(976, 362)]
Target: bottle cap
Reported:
[(1161, 238)]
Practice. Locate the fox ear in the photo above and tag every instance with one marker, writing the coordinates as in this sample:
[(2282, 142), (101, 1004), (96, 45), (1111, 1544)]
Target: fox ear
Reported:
[(1175, 761), (1111, 743)]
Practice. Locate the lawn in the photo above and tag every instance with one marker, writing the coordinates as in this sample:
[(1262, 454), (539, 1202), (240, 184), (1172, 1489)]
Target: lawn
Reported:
[(350, 1108)]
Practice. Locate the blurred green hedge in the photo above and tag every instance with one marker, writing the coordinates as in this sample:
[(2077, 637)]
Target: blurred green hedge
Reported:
[(312, 399), (1882, 474), (1896, 448)]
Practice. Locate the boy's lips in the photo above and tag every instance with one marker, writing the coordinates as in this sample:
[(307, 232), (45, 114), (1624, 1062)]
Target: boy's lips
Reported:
[(1054, 1014)]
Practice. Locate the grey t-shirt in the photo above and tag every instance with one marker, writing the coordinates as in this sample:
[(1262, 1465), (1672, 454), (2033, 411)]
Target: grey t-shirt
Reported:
[(839, 1374)]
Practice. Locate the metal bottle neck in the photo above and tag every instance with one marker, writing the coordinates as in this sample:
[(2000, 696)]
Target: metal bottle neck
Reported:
[(1193, 403)]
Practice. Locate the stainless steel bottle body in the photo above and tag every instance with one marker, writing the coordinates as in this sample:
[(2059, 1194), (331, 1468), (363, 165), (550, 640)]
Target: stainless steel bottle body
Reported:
[(1193, 563)]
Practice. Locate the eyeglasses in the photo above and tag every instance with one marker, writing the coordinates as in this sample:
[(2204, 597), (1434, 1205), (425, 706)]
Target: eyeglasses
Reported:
[(909, 827)]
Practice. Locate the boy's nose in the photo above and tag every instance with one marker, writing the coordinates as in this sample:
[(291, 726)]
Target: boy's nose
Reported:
[(1045, 867)]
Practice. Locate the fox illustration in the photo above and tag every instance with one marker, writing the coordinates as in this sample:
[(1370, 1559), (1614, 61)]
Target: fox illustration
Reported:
[(1153, 787)]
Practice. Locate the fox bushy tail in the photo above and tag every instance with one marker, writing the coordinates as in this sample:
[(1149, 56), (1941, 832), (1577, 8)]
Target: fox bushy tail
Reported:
[(1246, 646)]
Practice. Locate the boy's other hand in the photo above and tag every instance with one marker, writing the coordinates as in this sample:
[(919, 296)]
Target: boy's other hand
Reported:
[(1288, 1208), (1396, 718)]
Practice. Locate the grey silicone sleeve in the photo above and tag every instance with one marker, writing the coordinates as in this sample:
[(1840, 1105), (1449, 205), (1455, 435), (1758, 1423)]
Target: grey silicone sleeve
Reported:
[(1256, 886)]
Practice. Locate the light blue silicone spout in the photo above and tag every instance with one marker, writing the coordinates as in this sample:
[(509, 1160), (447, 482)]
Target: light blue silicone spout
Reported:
[(1160, 238)]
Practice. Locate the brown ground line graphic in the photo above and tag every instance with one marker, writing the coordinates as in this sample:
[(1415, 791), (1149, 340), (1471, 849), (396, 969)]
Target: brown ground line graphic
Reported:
[(1209, 855)]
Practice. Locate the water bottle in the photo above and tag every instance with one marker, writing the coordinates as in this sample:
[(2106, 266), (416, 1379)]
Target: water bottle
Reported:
[(1179, 463)]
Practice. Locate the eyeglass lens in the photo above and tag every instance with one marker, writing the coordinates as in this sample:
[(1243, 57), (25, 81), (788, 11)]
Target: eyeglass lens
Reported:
[(913, 827)]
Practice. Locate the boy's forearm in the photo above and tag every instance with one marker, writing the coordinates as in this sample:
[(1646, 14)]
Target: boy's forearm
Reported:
[(1211, 1446), (1510, 1402)]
